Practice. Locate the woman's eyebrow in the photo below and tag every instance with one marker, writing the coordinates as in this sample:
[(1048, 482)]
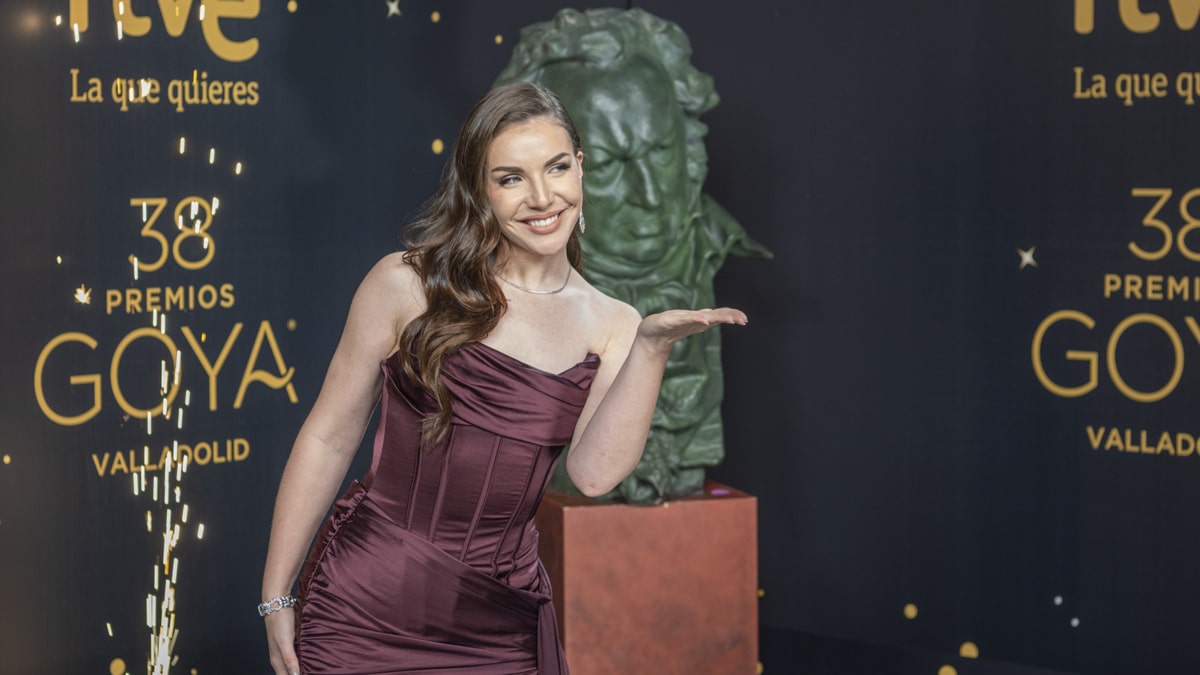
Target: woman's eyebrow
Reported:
[(516, 169)]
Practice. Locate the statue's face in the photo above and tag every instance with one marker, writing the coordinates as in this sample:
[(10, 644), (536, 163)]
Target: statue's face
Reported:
[(635, 173)]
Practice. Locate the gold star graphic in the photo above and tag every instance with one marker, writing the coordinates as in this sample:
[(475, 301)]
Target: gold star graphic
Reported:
[(1027, 257), (83, 295), (393, 8)]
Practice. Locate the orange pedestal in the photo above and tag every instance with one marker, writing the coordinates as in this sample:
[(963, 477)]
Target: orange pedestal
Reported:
[(655, 589)]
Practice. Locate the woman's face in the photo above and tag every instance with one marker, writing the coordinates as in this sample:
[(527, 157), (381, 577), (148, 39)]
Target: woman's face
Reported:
[(535, 186)]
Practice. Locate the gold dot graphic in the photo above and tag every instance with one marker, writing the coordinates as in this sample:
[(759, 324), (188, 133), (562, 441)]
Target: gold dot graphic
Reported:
[(499, 38), (291, 324), (7, 459), (438, 146), (292, 6), (947, 670), (759, 669), (761, 592), (910, 611), (435, 17), (117, 667), (969, 650)]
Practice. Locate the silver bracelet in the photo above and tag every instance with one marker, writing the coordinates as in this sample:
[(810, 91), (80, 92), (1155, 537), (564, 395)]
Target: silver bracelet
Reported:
[(276, 604)]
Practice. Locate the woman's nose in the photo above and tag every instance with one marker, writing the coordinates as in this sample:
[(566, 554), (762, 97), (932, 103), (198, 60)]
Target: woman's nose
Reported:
[(539, 194)]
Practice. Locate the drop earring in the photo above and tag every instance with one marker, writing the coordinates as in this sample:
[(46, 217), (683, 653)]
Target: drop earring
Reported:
[(582, 223)]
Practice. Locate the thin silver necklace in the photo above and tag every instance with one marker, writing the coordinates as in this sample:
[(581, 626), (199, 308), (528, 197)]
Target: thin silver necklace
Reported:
[(532, 291)]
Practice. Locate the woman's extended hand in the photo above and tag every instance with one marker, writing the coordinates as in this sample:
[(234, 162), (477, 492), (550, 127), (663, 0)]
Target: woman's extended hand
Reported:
[(667, 328), (281, 635)]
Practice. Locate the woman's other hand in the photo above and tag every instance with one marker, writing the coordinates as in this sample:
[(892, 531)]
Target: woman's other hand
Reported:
[(281, 636)]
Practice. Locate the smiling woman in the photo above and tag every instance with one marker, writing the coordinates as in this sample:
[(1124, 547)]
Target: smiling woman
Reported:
[(490, 354), (534, 198)]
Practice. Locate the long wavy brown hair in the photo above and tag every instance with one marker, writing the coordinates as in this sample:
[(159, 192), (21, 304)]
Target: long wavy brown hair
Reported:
[(454, 244)]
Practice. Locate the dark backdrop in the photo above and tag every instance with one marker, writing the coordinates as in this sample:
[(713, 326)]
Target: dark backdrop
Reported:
[(883, 403)]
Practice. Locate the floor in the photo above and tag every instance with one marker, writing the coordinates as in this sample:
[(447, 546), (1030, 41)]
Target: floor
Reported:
[(792, 653)]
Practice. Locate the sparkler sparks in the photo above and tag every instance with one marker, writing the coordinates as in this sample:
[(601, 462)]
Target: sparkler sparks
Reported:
[(166, 516), (161, 619)]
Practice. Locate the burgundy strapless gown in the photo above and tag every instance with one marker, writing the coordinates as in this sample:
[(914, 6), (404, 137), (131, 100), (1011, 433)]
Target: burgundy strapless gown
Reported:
[(430, 563)]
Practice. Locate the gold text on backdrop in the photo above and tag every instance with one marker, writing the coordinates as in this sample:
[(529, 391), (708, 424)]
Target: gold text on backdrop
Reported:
[(174, 17), (1135, 20)]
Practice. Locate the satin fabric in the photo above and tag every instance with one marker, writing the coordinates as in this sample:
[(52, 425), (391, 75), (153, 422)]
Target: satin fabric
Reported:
[(429, 564)]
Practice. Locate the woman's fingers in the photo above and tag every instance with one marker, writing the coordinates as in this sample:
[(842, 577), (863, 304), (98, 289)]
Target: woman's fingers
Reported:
[(676, 324), (281, 633)]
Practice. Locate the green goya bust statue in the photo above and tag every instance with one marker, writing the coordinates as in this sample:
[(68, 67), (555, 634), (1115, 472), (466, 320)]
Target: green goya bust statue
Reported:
[(654, 239)]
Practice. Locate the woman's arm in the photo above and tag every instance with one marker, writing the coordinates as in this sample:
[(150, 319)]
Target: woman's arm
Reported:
[(612, 429), (387, 298)]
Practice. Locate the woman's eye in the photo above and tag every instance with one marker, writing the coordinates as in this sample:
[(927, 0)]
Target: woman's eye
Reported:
[(559, 168), (509, 180)]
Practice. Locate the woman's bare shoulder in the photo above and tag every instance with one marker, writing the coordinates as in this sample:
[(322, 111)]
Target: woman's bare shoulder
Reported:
[(394, 272), (392, 288), (608, 307), (394, 276), (617, 320)]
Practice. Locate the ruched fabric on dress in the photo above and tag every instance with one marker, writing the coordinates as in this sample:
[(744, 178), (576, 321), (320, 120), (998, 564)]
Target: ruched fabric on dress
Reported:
[(429, 564)]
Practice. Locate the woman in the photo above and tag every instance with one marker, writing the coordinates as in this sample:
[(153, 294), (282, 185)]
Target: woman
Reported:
[(495, 353)]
